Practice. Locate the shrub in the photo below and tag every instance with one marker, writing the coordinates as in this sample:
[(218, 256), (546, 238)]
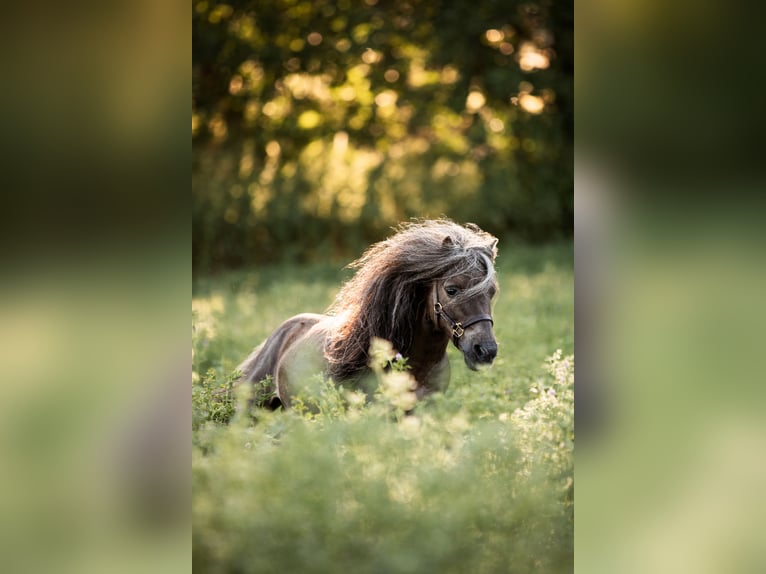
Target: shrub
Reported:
[(342, 483)]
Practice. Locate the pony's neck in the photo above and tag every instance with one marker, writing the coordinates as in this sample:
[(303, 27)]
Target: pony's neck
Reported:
[(429, 344)]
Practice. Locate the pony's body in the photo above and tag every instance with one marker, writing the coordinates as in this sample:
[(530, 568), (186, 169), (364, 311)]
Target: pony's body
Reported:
[(294, 354), (430, 283)]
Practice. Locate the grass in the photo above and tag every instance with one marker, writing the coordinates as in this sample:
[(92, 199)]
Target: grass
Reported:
[(479, 479)]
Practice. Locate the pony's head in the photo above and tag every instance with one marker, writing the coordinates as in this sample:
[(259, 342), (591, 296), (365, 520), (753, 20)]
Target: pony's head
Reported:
[(433, 271), (462, 308)]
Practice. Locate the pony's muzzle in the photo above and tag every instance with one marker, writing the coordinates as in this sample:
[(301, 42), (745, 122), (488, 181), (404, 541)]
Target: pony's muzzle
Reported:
[(485, 352)]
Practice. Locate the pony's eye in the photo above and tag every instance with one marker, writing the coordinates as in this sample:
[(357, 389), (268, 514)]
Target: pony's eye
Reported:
[(451, 291)]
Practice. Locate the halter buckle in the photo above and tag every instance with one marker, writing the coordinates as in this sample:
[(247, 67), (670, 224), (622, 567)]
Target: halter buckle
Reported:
[(438, 307), (457, 330)]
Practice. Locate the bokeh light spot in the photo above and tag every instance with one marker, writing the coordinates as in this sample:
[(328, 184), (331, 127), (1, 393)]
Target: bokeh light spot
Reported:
[(309, 119), (391, 75), (531, 104), (475, 101), (494, 36)]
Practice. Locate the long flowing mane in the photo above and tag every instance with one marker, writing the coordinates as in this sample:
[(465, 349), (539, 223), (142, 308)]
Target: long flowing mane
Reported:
[(389, 290)]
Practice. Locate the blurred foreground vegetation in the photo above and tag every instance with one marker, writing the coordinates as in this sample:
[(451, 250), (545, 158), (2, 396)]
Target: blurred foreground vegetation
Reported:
[(316, 126), (479, 479)]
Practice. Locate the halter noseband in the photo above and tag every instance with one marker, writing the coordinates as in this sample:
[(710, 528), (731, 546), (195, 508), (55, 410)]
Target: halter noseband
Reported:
[(458, 327)]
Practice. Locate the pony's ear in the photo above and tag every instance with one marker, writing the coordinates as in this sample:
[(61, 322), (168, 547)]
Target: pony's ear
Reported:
[(447, 242), (493, 248)]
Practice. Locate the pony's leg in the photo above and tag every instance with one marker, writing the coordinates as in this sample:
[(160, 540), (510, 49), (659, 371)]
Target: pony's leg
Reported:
[(437, 379), (255, 372), (302, 368)]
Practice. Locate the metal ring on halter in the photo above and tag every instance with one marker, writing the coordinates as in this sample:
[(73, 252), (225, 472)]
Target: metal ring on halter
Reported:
[(458, 328)]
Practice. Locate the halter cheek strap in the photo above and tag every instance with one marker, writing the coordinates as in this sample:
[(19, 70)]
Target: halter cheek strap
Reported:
[(458, 327)]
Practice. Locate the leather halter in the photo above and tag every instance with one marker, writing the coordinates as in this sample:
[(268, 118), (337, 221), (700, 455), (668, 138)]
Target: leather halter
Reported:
[(458, 327)]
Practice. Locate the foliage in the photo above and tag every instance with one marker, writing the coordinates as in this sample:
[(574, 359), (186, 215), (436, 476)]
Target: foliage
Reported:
[(545, 425), (347, 488), (477, 479), (211, 398), (318, 125)]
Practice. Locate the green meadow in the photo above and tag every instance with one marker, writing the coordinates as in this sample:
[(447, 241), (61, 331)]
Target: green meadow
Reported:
[(477, 479)]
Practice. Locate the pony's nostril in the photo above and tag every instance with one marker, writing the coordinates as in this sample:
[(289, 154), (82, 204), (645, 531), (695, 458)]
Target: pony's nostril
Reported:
[(485, 353)]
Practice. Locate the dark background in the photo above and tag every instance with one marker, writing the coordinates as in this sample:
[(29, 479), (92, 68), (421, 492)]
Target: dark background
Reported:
[(317, 126)]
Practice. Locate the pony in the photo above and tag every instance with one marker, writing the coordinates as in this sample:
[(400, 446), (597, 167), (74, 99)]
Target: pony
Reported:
[(429, 283)]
